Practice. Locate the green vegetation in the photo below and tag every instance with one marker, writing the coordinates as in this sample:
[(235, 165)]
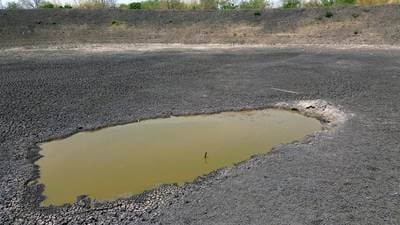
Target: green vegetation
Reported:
[(47, 5), (253, 4), (194, 5), (291, 4), (135, 5), (13, 5), (227, 5)]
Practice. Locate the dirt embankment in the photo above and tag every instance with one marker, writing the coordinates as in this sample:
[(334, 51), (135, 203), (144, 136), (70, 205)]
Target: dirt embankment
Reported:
[(350, 25)]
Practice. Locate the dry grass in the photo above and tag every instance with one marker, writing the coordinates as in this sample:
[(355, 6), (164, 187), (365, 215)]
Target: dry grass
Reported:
[(377, 2), (90, 4)]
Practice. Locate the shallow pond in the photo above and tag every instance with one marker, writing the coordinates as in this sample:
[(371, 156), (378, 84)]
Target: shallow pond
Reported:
[(128, 159)]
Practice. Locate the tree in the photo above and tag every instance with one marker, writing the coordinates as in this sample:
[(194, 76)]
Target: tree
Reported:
[(30, 4), (13, 5)]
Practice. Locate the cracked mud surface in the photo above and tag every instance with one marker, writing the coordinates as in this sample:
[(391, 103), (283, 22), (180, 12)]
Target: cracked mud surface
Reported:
[(346, 174)]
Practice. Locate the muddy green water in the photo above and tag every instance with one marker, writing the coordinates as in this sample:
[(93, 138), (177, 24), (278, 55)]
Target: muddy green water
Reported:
[(128, 159)]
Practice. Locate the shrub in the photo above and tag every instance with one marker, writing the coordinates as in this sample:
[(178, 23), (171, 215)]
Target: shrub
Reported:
[(327, 3), (291, 4), (227, 5), (66, 6), (209, 4), (150, 4), (46, 5), (13, 5), (175, 4), (135, 5), (91, 4), (312, 3), (345, 2), (253, 4)]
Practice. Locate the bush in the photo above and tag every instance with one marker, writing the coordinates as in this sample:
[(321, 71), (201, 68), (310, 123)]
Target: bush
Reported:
[(135, 5), (46, 5), (327, 3), (227, 5), (175, 4), (66, 6), (345, 2), (209, 4), (291, 4), (312, 4), (253, 4), (13, 5), (91, 4), (151, 4)]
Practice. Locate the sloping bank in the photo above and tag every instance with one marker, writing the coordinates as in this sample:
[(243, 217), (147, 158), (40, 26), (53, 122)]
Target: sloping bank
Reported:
[(343, 25)]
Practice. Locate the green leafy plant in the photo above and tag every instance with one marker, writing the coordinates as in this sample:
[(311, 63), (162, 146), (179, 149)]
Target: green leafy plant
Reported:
[(327, 3), (291, 4), (46, 5), (345, 2), (253, 4), (151, 4), (135, 5)]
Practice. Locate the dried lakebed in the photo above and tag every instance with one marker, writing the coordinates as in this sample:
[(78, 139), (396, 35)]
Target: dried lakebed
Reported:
[(346, 174), (129, 159)]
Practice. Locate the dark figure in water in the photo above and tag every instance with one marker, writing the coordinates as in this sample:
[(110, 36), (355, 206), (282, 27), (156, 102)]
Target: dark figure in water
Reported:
[(205, 155)]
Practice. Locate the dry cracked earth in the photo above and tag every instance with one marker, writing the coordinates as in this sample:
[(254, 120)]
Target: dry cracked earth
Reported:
[(349, 173)]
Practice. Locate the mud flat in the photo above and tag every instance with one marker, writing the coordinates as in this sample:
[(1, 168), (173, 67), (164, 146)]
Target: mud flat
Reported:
[(345, 174)]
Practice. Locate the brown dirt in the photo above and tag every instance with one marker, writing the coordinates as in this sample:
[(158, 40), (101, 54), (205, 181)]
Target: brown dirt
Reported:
[(349, 25)]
